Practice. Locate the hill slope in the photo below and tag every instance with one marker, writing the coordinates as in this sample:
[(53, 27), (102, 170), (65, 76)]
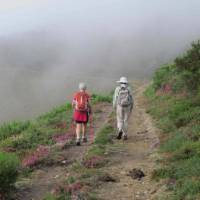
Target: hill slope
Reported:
[(174, 102)]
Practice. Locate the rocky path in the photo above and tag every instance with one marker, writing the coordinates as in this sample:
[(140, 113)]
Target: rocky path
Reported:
[(44, 179), (137, 153)]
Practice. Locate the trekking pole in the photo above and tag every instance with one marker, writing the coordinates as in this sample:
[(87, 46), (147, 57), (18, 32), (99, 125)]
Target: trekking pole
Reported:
[(73, 128), (91, 131)]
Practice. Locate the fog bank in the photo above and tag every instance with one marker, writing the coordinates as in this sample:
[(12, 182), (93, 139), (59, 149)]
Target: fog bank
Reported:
[(47, 48)]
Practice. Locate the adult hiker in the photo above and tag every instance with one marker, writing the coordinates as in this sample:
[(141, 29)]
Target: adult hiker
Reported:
[(82, 109), (123, 103)]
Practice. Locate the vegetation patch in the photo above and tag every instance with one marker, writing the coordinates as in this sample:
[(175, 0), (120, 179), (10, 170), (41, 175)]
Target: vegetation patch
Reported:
[(9, 165), (101, 98), (88, 173), (94, 162), (35, 157), (174, 102), (32, 142)]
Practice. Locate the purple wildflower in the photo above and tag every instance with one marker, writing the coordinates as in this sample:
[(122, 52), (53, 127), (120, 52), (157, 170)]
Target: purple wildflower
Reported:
[(35, 157)]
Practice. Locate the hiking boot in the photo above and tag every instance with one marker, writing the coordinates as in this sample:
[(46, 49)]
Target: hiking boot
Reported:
[(119, 135), (78, 143), (84, 139), (125, 137)]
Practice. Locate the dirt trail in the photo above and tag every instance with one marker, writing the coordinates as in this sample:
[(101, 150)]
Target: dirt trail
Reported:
[(138, 152), (43, 180)]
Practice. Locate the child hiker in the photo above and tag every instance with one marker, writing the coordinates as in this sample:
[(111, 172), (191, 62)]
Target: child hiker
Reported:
[(123, 103), (82, 109)]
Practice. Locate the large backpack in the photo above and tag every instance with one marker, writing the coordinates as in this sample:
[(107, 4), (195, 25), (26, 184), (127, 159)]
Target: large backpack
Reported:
[(81, 99), (124, 97)]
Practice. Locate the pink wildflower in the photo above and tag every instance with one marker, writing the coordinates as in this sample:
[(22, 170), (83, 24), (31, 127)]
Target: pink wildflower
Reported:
[(35, 157), (167, 88)]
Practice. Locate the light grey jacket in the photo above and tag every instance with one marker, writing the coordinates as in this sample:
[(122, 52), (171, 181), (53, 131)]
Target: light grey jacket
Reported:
[(115, 96)]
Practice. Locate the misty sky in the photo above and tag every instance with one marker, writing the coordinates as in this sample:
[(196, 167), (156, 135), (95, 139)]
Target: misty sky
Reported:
[(103, 15), (112, 27), (48, 46), (104, 26)]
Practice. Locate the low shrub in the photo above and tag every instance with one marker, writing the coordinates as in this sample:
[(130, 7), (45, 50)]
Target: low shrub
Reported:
[(188, 65), (9, 164), (162, 76)]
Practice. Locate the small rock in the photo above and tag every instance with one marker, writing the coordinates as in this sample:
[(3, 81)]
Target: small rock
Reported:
[(137, 193), (64, 162), (136, 174), (56, 176), (107, 178), (153, 191), (155, 144), (123, 173)]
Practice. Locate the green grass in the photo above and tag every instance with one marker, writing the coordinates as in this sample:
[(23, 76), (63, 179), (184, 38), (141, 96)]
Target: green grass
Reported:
[(98, 150), (38, 131), (176, 110), (13, 128), (57, 115), (104, 135), (9, 165), (96, 98), (25, 136), (178, 117), (188, 190), (163, 75), (174, 142), (28, 134), (49, 197)]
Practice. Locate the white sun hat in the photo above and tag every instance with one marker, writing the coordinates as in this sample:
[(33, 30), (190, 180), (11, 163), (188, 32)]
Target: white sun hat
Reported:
[(82, 86), (123, 80)]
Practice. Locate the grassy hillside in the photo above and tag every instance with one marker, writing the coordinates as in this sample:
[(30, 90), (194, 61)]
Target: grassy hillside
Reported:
[(174, 102), (26, 144)]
